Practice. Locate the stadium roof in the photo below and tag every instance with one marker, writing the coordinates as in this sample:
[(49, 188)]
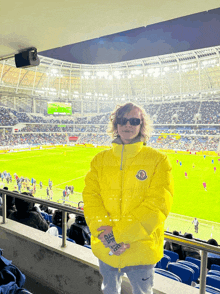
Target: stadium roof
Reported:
[(52, 24)]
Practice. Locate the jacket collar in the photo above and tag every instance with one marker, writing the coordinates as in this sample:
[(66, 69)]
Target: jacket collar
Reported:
[(135, 140), (129, 150)]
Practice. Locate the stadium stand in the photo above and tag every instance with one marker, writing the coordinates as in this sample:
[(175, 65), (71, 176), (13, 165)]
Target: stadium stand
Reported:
[(92, 130)]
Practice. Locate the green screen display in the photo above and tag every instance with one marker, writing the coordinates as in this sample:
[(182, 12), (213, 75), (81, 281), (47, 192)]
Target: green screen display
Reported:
[(59, 108)]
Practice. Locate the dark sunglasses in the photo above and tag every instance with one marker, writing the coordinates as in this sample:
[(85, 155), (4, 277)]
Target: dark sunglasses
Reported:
[(133, 121)]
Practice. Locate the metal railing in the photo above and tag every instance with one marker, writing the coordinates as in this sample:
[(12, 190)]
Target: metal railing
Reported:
[(204, 247), (48, 203)]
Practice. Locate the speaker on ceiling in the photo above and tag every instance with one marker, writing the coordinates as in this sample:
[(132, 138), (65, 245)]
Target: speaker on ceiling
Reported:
[(27, 58)]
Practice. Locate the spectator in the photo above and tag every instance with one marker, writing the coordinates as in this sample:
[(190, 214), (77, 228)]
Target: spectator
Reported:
[(79, 231), (26, 214), (174, 247), (10, 204), (57, 220), (45, 209), (187, 251), (213, 258)]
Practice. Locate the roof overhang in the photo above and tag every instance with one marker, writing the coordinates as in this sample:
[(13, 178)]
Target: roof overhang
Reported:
[(50, 24)]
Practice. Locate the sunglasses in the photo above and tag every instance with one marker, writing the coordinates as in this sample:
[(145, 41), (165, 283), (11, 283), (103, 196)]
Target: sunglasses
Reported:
[(133, 121)]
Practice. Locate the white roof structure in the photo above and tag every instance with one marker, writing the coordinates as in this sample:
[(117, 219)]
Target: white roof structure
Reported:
[(50, 24)]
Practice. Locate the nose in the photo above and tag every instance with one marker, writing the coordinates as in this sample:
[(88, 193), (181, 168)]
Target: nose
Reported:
[(128, 122)]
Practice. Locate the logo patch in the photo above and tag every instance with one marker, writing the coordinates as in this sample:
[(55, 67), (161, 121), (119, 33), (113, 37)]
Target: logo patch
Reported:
[(141, 175)]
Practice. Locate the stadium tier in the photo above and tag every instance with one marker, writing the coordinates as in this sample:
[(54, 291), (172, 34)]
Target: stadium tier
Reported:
[(185, 125)]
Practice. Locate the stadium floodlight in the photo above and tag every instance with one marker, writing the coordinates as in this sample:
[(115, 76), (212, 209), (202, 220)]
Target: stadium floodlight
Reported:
[(137, 72), (86, 73), (39, 92), (117, 74), (156, 74), (54, 71), (166, 69), (150, 70), (102, 74)]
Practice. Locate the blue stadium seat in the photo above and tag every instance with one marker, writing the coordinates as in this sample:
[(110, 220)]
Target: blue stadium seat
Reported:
[(50, 217), (213, 281), (45, 215), (173, 255), (193, 266), (167, 274), (209, 289), (194, 260), (163, 262), (184, 272), (215, 267), (58, 228), (214, 272)]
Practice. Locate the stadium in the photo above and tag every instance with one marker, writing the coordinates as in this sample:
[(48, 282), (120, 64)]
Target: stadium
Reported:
[(54, 119)]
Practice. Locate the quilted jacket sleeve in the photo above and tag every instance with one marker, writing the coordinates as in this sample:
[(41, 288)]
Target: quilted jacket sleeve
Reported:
[(144, 219), (95, 213)]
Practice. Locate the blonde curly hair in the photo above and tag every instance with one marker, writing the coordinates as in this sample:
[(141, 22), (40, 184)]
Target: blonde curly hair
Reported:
[(120, 110)]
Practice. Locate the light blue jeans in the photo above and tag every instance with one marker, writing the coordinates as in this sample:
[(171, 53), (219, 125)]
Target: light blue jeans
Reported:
[(140, 277)]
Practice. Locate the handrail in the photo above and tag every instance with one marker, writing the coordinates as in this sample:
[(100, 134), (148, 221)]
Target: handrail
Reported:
[(167, 236), (61, 207), (205, 248)]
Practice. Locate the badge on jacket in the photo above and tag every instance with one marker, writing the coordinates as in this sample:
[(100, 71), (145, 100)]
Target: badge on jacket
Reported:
[(141, 175)]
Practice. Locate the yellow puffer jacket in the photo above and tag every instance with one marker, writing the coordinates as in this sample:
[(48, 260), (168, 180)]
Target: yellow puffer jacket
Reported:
[(129, 187)]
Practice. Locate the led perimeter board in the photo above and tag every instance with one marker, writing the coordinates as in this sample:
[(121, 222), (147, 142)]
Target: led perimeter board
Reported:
[(59, 108)]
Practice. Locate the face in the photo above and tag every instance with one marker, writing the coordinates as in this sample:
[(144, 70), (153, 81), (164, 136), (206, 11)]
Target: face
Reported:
[(128, 132)]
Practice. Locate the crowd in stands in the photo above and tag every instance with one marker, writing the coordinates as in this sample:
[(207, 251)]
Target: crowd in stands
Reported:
[(32, 139), (5, 118), (185, 143), (208, 112), (191, 143), (40, 129), (46, 219)]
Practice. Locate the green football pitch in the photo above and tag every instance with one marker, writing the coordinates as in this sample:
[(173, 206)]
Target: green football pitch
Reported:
[(69, 165)]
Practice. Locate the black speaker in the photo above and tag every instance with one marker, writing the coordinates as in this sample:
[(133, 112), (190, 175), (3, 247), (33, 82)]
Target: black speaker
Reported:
[(26, 59)]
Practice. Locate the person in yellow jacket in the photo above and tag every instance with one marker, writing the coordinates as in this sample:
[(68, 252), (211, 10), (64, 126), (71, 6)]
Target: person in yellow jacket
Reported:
[(127, 197)]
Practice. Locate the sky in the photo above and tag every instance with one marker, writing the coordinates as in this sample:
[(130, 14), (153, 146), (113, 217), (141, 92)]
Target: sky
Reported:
[(200, 30)]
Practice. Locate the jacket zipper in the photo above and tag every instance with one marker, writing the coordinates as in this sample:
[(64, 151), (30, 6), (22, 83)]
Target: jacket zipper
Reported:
[(122, 156), (119, 269)]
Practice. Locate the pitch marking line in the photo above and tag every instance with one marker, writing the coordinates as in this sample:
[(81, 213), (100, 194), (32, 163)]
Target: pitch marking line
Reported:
[(69, 181)]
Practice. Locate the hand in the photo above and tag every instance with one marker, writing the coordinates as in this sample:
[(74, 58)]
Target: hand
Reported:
[(107, 236), (118, 249)]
